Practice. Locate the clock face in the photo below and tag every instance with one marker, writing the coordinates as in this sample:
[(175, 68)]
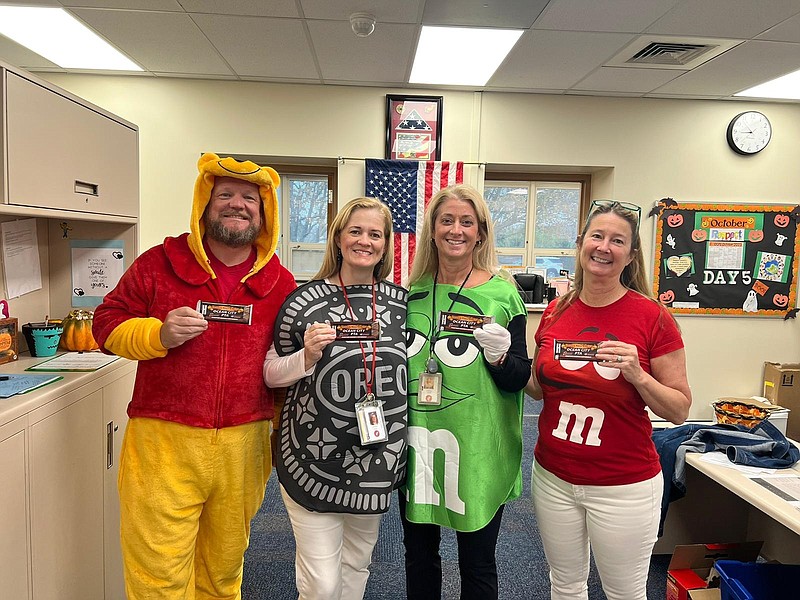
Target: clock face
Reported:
[(749, 132)]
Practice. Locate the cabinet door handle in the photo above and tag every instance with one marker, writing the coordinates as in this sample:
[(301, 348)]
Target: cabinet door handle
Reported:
[(85, 187), (110, 444)]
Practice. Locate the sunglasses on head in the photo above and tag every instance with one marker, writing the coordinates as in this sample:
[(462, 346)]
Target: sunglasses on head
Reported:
[(637, 210)]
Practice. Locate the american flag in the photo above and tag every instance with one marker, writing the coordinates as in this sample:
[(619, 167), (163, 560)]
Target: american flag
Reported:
[(407, 186)]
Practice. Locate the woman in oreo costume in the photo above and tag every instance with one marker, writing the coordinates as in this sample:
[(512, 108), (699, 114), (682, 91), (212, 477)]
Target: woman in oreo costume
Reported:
[(340, 347), (465, 396)]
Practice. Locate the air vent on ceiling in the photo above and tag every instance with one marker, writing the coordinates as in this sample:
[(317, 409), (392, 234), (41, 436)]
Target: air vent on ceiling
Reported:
[(663, 52), (666, 53)]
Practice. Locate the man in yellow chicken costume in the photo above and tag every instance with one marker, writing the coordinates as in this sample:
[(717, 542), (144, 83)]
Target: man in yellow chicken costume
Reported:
[(196, 454)]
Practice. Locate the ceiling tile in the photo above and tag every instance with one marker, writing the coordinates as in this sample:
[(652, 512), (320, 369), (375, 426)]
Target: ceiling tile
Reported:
[(515, 14), (631, 16), (50, 3), (385, 56), (160, 5), (384, 11), (629, 80), (788, 31), (141, 35), (551, 60), (742, 67), (566, 46), (255, 8), (725, 18), (261, 47)]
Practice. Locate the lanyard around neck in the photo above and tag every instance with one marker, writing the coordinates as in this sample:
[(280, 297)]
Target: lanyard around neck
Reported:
[(432, 366), (371, 378)]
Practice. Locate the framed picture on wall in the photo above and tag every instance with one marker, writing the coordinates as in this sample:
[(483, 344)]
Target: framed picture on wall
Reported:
[(413, 127)]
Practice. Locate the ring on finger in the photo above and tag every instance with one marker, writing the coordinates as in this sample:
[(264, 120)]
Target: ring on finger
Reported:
[(619, 358)]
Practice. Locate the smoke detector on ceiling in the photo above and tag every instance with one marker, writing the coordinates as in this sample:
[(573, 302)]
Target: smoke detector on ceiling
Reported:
[(363, 24)]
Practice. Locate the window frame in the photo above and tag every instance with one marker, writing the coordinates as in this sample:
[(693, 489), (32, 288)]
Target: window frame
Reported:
[(533, 180), (296, 167)]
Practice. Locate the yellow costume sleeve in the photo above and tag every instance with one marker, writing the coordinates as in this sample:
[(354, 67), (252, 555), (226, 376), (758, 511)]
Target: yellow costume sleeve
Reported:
[(137, 339)]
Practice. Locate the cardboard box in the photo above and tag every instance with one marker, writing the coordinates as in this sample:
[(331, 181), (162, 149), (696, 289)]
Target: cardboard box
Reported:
[(782, 387), (691, 564), (706, 594)]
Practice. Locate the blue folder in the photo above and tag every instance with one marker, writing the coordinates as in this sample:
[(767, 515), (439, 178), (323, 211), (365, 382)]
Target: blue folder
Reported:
[(13, 384)]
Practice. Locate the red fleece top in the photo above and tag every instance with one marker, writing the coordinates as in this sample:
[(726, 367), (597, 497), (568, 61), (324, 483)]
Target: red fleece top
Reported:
[(215, 379)]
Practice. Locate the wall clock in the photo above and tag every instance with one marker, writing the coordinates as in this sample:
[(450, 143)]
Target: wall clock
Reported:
[(749, 132)]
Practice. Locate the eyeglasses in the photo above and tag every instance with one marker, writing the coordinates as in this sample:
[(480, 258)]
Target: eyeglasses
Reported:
[(616, 203)]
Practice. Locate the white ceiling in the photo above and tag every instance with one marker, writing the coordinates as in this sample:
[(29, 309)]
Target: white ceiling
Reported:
[(567, 46)]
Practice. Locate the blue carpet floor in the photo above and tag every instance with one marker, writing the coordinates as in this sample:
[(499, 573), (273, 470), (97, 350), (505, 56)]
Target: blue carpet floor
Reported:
[(269, 562)]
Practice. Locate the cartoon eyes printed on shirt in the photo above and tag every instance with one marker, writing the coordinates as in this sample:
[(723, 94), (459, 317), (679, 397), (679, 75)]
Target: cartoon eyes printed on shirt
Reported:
[(452, 351), (607, 373)]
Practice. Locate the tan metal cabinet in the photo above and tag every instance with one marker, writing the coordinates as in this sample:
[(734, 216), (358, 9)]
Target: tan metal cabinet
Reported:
[(74, 168), (65, 154), (14, 520), (59, 511), (66, 484), (116, 396)]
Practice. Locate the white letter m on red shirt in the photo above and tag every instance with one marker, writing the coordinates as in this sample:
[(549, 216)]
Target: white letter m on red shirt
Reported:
[(581, 414)]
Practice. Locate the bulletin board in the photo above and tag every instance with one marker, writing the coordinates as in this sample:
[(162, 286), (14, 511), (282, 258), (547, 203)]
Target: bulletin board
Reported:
[(726, 259)]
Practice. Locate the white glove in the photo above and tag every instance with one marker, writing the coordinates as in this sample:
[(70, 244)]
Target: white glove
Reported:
[(495, 341)]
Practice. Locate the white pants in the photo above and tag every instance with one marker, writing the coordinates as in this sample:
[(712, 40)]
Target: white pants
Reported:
[(621, 521), (333, 553)]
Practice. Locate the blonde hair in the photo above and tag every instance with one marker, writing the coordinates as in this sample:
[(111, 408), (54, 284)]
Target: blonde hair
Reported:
[(633, 276), (484, 256), (331, 264)]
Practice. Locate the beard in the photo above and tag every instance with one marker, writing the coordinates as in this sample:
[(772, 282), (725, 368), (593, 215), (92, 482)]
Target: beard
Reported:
[(235, 238)]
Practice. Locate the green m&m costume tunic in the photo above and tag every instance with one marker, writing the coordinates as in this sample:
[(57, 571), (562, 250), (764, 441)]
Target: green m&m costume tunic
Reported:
[(464, 454)]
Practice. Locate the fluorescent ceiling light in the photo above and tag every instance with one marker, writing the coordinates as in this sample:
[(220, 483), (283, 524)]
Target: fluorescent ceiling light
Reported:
[(60, 38), (786, 87), (460, 55)]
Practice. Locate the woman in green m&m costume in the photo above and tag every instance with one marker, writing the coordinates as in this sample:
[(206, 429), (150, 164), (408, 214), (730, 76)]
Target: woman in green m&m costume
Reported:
[(465, 396)]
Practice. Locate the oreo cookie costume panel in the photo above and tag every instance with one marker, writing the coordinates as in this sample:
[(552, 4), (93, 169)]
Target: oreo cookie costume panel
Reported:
[(320, 460)]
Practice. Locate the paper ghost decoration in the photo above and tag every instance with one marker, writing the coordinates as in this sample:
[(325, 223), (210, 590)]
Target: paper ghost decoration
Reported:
[(751, 302)]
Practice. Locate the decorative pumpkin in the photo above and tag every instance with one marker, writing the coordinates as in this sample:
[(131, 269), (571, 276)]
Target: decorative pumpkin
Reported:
[(5, 341), (77, 336)]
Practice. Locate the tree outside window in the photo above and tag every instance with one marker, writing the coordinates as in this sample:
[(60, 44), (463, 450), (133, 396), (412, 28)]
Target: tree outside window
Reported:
[(536, 222)]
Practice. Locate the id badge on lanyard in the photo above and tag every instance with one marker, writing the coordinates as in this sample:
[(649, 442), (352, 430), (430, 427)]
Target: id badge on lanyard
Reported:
[(371, 423)]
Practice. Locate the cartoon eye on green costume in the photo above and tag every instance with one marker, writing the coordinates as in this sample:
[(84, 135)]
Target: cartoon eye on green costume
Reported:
[(453, 351)]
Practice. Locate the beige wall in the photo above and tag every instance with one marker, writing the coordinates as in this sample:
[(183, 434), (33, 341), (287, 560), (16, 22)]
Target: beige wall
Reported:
[(640, 150)]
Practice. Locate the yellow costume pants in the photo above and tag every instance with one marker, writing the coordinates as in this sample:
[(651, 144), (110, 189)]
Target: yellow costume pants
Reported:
[(187, 496)]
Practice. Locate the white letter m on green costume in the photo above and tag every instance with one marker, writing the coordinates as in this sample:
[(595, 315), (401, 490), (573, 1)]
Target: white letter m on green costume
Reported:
[(425, 443)]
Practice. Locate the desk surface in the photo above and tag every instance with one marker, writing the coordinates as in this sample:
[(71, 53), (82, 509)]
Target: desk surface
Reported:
[(753, 493)]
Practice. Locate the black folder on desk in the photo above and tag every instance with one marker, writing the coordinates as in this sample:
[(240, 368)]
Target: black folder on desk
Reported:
[(13, 384)]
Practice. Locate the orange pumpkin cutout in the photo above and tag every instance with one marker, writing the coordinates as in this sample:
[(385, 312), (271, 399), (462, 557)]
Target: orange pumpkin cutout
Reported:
[(5, 341), (781, 300), (77, 336), (675, 220)]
